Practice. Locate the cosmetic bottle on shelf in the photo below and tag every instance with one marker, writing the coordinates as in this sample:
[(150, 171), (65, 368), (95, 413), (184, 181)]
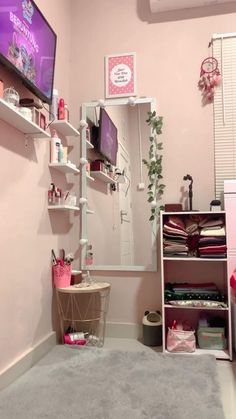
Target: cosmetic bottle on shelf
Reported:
[(51, 194), (61, 154), (61, 109), (55, 145)]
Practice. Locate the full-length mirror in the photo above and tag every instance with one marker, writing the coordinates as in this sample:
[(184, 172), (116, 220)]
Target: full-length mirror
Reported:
[(116, 233)]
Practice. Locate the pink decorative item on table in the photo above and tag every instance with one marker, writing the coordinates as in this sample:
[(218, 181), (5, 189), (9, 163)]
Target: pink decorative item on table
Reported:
[(61, 275)]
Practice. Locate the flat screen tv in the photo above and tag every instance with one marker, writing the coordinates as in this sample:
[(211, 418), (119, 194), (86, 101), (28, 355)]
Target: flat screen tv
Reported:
[(28, 45), (107, 137)]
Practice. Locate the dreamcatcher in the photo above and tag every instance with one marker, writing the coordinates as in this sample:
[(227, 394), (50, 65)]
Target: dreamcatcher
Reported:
[(210, 78)]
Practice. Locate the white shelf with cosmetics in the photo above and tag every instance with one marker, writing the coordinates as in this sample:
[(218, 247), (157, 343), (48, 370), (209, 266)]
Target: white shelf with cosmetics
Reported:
[(59, 162), (63, 207), (65, 128), (102, 176), (195, 279), (65, 167), (18, 121)]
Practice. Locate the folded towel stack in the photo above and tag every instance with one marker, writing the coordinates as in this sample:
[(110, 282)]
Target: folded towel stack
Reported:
[(204, 237), (175, 237)]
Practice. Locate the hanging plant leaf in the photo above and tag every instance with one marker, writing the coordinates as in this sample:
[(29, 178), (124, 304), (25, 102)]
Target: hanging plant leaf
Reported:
[(154, 163)]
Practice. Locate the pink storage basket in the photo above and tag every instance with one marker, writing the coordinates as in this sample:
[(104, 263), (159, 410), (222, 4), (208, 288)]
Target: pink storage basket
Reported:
[(61, 276)]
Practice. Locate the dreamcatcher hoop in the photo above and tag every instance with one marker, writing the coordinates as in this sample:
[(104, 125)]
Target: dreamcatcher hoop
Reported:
[(210, 78), (209, 66)]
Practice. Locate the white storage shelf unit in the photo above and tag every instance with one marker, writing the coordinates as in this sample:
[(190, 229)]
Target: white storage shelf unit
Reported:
[(18, 121), (194, 269), (64, 128)]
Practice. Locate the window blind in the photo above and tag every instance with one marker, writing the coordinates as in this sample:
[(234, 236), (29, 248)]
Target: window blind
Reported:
[(224, 50)]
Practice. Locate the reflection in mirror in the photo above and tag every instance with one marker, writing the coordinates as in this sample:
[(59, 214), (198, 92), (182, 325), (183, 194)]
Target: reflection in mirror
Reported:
[(120, 235)]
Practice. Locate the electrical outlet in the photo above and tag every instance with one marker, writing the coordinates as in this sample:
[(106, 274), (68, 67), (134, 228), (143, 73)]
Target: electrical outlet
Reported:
[(141, 186)]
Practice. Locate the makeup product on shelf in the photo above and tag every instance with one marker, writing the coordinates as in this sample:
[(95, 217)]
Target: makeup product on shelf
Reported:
[(51, 194), (61, 153), (26, 113), (58, 196), (55, 144), (65, 154), (54, 259), (61, 109)]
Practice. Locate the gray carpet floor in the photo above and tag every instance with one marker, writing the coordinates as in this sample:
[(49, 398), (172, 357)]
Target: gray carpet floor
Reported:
[(98, 383)]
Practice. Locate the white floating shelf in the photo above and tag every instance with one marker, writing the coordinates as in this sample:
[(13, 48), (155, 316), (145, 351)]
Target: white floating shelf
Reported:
[(63, 207), (218, 353), (195, 259), (65, 128), (196, 308), (18, 121), (103, 177), (89, 145), (64, 167), (89, 177), (90, 211)]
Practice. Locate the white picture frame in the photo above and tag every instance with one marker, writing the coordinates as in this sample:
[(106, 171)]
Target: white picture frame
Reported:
[(120, 75)]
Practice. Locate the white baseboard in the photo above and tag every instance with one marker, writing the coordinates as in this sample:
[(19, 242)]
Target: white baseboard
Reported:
[(123, 330), (27, 360)]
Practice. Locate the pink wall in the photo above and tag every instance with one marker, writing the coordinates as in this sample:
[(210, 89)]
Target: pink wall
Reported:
[(169, 54), (28, 230), (169, 51)]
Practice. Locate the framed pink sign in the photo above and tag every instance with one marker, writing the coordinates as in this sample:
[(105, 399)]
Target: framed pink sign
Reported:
[(120, 75)]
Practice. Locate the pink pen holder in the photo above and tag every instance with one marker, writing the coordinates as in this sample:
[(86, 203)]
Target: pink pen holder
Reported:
[(61, 275)]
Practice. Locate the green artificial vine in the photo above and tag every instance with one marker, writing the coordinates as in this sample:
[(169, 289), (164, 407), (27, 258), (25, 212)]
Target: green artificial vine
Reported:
[(154, 165)]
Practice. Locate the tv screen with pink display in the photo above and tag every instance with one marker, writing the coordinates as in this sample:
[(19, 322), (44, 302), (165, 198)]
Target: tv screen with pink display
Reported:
[(28, 45), (107, 141)]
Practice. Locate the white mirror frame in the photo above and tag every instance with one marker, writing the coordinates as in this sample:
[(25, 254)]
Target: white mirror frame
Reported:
[(83, 190)]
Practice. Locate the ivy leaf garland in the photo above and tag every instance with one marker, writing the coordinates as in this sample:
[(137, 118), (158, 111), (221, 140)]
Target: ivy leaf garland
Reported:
[(154, 165)]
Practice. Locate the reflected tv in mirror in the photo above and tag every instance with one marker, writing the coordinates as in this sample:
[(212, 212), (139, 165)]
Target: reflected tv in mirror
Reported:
[(28, 46), (107, 137)]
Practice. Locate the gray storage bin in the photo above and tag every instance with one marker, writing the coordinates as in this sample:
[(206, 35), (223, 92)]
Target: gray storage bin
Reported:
[(152, 328)]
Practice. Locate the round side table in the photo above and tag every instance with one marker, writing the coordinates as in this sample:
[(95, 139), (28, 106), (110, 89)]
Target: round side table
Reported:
[(84, 307)]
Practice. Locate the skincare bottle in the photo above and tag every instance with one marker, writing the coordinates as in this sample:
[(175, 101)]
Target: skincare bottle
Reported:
[(51, 194), (54, 106), (65, 154), (61, 153), (57, 196), (54, 147), (61, 109)]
